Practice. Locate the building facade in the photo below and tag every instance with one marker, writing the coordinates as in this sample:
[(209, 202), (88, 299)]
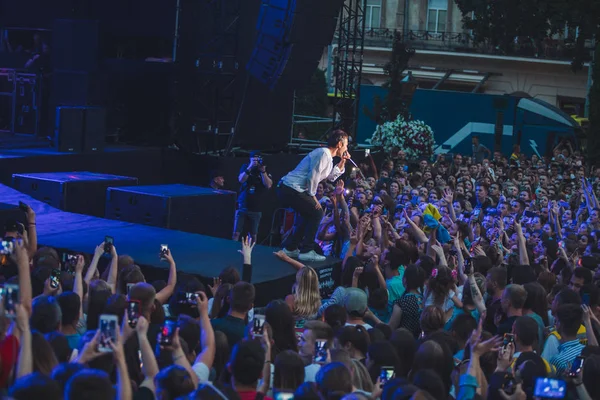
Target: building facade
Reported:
[(447, 58)]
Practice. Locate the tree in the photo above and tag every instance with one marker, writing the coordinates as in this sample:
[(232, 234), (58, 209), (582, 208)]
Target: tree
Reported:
[(393, 105), (497, 23)]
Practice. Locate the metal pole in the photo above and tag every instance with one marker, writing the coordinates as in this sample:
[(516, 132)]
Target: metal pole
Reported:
[(176, 36), (329, 75), (590, 80)]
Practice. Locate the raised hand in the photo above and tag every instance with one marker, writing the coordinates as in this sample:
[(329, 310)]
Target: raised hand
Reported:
[(217, 282), (247, 247)]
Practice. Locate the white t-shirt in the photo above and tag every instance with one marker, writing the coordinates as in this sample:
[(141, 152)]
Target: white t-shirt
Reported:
[(310, 372), (315, 167), (202, 371), (365, 325)]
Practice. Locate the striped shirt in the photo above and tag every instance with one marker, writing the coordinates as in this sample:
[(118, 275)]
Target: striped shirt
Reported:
[(567, 352)]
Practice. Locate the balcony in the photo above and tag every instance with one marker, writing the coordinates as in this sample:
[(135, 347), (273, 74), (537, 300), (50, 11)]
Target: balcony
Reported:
[(551, 49)]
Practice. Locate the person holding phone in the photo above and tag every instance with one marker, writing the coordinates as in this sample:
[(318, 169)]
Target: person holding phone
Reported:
[(298, 189)]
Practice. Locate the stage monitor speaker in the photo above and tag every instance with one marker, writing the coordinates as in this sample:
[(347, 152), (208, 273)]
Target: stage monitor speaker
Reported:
[(75, 45), (291, 38), (80, 129)]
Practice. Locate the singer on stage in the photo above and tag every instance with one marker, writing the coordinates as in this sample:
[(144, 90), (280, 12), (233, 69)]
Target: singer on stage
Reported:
[(297, 190)]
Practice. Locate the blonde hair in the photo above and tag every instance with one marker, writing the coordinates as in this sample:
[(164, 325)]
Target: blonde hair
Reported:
[(307, 298)]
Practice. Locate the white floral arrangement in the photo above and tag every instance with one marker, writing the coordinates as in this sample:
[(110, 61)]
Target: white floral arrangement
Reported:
[(415, 138)]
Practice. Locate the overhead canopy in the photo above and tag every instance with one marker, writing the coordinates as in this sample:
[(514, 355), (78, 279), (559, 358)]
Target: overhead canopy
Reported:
[(548, 112)]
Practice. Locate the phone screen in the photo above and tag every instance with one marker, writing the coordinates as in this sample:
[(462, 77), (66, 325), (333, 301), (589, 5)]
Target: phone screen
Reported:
[(386, 374), (133, 313), (167, 332), (69, 262), (55, 278), (10, 296), (258, 325), (320, 351), (163, 250), (576, 367), (7, 247), (548, 388), (108, 243), (508, 338), (284, 396), (108, 332)]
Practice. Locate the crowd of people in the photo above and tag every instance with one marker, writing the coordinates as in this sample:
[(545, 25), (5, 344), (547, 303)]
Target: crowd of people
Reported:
[(462, 278)]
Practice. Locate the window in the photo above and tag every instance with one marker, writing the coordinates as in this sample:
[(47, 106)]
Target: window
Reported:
[(373, 14), (437, 13)]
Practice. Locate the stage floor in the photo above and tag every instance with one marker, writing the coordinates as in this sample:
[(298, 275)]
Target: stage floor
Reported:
[(195, 254)]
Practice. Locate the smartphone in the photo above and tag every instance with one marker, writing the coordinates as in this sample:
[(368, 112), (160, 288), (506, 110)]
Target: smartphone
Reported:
[(508, 338), (108, 332), (367, 152), (548, 388), (187, 298), (133, 312), (576, 367), (163, 251), (284, 396), (7, 247), (10, 297), (109, 241), (386, 374), (167, 332), (24, 207), (258, 325), (320, 351), (561, 244), (476, 212), (55, 278), (69, 261)]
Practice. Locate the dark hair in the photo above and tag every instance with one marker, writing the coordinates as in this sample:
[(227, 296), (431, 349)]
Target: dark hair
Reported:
[(526, 330), (281, 320), (499, 276), (97, 298), (64, 371), (247, 361), (189, 330), (537, 300), (229, 275), (45, 314), (569, 316), (35, 386), (320, 329), (440, 284), (116, 305), (145, 294), (567, 296), (242, 297), (335, 137), (70, 306), (89, 384), (591, 371), (430, 381), (60, 346), (175, 381), (357, 336), (432, 319), (289, 371), (307, 391), (207, 391), (334, 381), (131, 274), (381, 354), (463, 326), (583, 273), (348, 272), (378, 299), (414, 278), (406, 346), (335, 315), (385, 329), (222, 353)]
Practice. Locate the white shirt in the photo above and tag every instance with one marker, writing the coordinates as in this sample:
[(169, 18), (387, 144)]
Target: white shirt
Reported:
[(315, 167)]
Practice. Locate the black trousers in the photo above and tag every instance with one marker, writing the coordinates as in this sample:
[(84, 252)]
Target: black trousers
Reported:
[(308, 218)]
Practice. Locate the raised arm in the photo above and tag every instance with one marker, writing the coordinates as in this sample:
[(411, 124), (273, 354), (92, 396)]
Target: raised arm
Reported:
[(78, 284), (123, 382), (150, 366), (22, 257), (94, 263), (523, 257), (31, 232), (113, 269), (167, 291), (284, 257), (25, 361), (207, 356)]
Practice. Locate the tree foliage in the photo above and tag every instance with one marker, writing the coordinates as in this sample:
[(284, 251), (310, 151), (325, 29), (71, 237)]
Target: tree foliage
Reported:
[(388, 109), (504, 23)]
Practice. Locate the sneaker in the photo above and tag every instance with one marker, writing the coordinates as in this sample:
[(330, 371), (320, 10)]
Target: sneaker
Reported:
[(311, 256), (291, 253)]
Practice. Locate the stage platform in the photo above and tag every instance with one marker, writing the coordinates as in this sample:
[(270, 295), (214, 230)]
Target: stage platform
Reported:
[(194, 254)]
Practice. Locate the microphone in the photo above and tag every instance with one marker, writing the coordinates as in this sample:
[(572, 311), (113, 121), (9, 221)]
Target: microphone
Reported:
[(353, 163)]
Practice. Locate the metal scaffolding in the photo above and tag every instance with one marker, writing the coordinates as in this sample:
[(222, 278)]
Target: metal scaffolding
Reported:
[(348, 65), (207, 70)]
